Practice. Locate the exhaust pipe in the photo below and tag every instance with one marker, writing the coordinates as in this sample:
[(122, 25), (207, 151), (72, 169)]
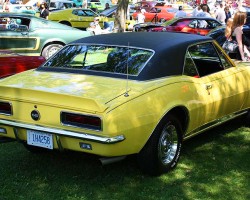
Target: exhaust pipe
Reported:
[(109, 160)]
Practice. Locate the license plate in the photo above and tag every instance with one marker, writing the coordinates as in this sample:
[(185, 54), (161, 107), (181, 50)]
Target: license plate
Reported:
[(39, 139)]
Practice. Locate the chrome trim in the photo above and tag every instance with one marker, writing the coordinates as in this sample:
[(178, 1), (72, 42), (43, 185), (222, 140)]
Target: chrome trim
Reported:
[(69, 125), (84, 136), (11, 107), (214, 123)]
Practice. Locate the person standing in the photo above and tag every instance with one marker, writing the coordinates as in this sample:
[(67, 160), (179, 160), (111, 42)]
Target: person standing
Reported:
[(141, 16), (228, 14), (237, 35), (196, 11), (180, 12), (204, 12), (44, 11), (107, 6), (220, 14), (6, 6)]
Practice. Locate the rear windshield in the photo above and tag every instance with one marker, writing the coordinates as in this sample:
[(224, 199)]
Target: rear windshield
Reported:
[(113, 59)]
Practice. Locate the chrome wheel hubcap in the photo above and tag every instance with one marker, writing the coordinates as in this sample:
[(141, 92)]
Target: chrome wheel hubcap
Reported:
[(168, 143)]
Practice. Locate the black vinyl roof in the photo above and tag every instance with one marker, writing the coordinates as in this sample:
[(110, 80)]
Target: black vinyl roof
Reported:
[(170, 49)]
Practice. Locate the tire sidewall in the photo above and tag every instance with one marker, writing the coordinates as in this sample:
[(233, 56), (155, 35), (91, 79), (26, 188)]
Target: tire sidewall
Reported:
[(170, 120)]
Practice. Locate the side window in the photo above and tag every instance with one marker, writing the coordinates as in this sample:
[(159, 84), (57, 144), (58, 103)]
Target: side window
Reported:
[(89, 13), (224, 60), (14, 24), (212, 24), (189, 67), (193, 24), (205, 59)]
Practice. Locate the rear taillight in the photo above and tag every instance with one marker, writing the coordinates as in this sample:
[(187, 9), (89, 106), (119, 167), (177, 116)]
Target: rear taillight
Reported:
[(82, 121), (5, 108)]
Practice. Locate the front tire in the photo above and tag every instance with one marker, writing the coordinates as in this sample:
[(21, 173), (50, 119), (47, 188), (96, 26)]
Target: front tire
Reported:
[(51, 49), (162, 151)]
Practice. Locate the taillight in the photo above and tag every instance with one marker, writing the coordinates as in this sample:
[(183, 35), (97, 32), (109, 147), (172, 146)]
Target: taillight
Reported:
[(5, 108), (82, 121)]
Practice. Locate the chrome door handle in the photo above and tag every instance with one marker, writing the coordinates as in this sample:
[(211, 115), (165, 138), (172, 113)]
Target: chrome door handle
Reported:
[(209, 86)]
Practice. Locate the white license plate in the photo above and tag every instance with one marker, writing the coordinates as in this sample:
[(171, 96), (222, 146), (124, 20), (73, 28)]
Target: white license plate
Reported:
[(39, 139)]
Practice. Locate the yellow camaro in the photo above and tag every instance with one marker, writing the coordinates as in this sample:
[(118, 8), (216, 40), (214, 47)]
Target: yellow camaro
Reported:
[(126, 93)]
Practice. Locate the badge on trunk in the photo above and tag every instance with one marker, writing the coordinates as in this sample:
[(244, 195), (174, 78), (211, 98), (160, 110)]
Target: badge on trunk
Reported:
[(35, 115)]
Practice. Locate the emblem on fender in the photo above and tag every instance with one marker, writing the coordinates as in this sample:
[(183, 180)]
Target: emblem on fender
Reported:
[(35, 115)]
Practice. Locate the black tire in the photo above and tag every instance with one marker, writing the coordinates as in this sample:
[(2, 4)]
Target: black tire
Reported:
[(248, 119), (49, 50), (162, 151), (34, 149), (65, 23)]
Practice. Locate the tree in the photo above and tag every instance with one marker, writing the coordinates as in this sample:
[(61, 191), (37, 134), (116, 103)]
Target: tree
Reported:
[(121, 15)]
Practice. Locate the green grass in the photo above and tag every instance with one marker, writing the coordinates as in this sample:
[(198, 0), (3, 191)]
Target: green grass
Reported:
[(213, 165)]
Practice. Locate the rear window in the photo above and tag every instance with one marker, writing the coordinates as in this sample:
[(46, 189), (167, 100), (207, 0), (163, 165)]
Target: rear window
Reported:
[(112, 59)]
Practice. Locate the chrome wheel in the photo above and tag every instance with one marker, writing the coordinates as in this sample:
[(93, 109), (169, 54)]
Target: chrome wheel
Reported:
[(53, 49), (168, 144)]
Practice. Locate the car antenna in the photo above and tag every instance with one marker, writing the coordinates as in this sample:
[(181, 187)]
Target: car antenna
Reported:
[(126, 93)]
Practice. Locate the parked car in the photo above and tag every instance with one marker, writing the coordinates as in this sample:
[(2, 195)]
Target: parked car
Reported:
[(146, 5), (81, 18), (76, 17), (28, 34), (157, 14), (12, 63), (119, 94), (186, 24)]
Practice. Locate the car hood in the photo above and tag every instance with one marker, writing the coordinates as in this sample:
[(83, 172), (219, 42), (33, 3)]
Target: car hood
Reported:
[(73, 91)]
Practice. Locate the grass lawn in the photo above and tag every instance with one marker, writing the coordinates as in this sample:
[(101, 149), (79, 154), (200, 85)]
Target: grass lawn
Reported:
[(214, 165)]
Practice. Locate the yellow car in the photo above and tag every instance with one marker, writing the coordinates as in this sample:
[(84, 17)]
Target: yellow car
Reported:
[(80, 18), (119, 94), (76, 17)]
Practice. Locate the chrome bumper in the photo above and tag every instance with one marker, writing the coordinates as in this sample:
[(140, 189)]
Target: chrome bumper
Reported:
[(59, 132)]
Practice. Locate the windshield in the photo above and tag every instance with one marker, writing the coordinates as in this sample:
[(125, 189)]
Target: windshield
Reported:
[(113, 59)]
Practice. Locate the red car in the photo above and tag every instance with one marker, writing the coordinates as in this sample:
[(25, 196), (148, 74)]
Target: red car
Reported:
[(193, 25), (158, 14), (12, 63), (146, 5)]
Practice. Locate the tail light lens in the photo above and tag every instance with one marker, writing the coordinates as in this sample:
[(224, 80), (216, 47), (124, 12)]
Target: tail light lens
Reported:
[(82, 121), (5, 108)]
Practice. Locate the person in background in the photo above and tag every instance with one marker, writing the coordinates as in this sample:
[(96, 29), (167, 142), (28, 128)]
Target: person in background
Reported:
[(6, 6), (228, 29), (107, 6), (237, 34), (141, 16), (220, 14), (196, 11), (228, 14), (180, 12), (204, 12), (44, 11)]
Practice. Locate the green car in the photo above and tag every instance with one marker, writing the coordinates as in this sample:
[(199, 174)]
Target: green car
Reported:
[(31, 35)]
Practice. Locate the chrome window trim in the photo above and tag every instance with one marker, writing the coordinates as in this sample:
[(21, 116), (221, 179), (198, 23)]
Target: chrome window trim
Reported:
[(111, 45), (61, 132)]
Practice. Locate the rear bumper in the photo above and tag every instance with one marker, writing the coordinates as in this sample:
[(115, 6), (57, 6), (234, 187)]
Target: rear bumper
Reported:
[(60, 132)]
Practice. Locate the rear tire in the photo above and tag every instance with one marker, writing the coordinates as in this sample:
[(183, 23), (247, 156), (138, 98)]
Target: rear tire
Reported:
[(49, 50), (162, 151), (248, 119)]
